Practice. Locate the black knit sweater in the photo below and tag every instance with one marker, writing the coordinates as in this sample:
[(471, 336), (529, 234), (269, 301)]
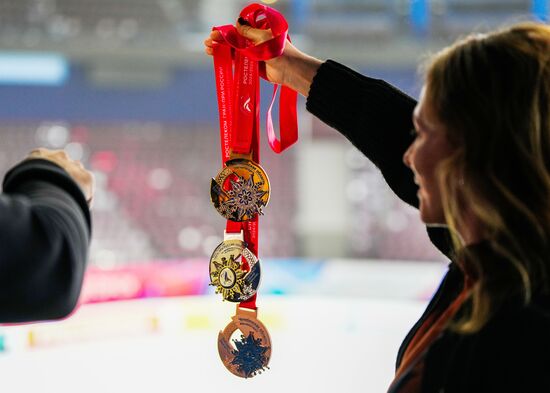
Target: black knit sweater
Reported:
[(45, 232), (512, 352)]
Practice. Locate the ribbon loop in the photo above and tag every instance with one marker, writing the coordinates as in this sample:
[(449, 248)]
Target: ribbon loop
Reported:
[(262, 17), (237, 65), (259, 17)]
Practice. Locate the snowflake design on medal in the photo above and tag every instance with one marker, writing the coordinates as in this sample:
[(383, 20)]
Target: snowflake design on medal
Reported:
[(250, 356), (228, 277), (248, 291), (245, 198), (227, 210)]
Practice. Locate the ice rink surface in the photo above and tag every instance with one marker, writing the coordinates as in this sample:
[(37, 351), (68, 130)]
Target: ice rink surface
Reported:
[(321, 342)]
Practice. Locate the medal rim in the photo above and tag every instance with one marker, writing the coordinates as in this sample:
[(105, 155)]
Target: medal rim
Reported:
[(256, 261), (237, 324), (216, 180)]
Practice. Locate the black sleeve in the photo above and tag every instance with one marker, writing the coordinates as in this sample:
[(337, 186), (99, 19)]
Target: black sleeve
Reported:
[(516, 353), (510, 354), (377, 119), (371, 114), (45, 230)]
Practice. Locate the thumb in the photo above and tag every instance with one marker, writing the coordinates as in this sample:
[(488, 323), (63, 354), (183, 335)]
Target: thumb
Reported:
[(257, 36)]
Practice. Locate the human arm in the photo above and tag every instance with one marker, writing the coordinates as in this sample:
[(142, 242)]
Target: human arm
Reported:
[(509, 354), (376, 118), (293, 68), (372, 114), (45, 230)]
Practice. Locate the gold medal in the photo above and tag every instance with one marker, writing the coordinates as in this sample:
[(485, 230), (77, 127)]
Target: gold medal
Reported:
[(227, 274), (241, 190), (248, 355)]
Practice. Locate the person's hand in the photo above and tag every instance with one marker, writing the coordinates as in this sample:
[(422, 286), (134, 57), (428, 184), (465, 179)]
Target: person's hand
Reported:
[(274, 68), (293, 68), (83, 177)]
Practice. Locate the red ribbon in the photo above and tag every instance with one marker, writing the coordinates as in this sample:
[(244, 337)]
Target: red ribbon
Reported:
[(239, 100), (262, 17)]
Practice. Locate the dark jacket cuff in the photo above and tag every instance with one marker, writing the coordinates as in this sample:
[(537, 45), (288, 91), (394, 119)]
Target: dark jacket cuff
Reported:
[(46, 171)]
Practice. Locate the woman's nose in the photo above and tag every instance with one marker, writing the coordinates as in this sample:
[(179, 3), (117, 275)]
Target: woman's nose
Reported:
[(407, 156)]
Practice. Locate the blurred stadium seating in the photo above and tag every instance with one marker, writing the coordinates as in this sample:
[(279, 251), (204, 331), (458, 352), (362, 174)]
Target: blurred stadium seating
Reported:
[(171, 31), (138, 107), (152, 194), (131, 94), (454, 18), (153, 183)]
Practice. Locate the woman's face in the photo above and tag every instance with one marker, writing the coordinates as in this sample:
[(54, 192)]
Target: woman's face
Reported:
[(423, 156)]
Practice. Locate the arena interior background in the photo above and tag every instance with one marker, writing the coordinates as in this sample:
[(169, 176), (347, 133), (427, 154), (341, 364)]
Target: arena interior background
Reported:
[(125, 87)]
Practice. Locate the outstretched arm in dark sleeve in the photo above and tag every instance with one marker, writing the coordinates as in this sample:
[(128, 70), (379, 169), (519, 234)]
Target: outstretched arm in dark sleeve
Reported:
[(44, 238), (377, 119), (371, 114)]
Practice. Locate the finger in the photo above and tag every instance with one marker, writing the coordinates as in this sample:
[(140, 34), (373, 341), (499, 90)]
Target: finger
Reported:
[(37, 151), (92, 190), (62, 153), (209, 51), (255, 35), (215, 35), (89, 178), (211, 44)]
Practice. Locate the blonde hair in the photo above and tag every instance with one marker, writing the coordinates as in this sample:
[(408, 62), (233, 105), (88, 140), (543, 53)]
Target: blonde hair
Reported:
[(493, 94)]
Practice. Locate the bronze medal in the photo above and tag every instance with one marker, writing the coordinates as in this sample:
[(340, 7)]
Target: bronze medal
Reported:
[(227, 274), (241, 190), (249, 355)]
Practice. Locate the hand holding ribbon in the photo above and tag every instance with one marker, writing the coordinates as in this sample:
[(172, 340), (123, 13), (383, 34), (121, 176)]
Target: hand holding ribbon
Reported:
[(241, 190), (262, 17)]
